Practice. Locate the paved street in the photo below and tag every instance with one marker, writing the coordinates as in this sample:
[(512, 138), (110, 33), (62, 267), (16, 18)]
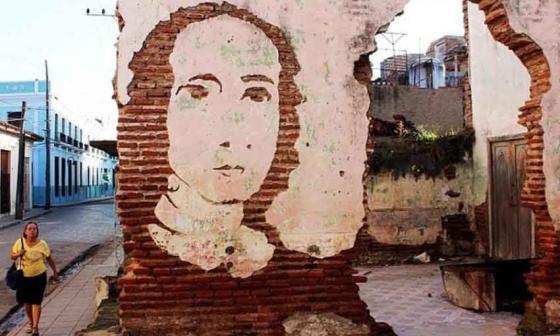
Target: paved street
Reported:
[(71, 307), (69, 231), (411, 299)]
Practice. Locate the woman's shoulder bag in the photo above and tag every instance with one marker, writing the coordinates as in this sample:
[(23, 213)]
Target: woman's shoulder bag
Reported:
[(14, 276)]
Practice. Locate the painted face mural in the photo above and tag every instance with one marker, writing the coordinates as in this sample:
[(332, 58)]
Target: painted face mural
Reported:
[(223, 114), (245, 157), (223, 125)]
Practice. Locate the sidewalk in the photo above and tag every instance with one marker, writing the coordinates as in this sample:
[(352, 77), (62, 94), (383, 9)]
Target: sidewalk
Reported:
[(71, 307), (411, 298), (7, 221)]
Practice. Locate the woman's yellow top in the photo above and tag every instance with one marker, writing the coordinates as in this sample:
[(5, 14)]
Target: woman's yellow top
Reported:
[(34, 257)]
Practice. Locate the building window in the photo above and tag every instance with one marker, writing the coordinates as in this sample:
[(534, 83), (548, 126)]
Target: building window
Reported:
[(81, 176), (75, 177), (69, 129), (63, 176), (56, 126), (69, 178), (88, 183), (56, 177)]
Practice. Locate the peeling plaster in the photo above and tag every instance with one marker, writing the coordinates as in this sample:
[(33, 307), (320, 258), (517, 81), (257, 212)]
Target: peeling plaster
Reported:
[(408, 211)]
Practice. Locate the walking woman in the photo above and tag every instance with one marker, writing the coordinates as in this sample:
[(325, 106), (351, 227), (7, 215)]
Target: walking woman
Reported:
[(34, 253)]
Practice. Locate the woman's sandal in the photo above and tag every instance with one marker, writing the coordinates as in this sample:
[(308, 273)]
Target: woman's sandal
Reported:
[(28, 328)]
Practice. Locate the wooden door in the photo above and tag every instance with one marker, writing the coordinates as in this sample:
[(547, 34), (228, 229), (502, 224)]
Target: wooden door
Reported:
[(511, 225), (5, 168)]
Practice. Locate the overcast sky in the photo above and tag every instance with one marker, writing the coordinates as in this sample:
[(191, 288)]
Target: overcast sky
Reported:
[(423, 21), (81, 49)]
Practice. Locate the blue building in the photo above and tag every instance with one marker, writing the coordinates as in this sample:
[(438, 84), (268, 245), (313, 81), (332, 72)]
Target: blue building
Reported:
[(79, 172)]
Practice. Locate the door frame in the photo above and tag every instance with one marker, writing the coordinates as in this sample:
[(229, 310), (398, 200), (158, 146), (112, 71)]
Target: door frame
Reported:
[(9, 182), (490, 141)]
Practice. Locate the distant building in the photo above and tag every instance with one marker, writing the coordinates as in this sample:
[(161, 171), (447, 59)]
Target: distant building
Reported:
[(9, 156), (452, 52), (78, 171), (394, 69), (428, 73)]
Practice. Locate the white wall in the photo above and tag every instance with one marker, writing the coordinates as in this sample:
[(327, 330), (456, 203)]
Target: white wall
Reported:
[(500, 86), (10, 143)]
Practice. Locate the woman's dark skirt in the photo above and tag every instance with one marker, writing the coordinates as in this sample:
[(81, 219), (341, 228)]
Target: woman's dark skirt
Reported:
[(32, 289)]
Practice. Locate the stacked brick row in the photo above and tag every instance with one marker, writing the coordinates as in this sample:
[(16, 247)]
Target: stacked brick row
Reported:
[(164, 295), (544, 278), (467, 97)]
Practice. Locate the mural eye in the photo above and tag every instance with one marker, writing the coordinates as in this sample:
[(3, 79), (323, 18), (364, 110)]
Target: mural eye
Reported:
[(257, 94), (197, 92)]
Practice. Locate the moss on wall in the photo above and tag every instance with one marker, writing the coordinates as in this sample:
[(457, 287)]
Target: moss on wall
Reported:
[(418, 157)]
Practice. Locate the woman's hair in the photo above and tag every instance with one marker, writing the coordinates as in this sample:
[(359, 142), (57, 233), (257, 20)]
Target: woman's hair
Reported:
[(153, 81), (25, 228)]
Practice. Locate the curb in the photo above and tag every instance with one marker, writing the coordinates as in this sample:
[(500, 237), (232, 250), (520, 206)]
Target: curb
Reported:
[(19, 221), (95, 200)]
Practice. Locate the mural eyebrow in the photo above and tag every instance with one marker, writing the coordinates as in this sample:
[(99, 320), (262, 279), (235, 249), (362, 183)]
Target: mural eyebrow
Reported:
[(208, 77), (256, 78)]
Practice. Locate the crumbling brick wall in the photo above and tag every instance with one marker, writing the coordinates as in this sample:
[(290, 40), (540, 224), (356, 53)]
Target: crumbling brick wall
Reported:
[(179, 289), (543, 280)]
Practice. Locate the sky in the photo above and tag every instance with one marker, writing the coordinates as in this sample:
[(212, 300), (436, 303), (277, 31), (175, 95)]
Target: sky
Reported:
[(80, 50), (423, 21)]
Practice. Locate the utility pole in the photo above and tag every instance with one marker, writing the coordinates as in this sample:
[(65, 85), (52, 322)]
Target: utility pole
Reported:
[(21, 164), (47, 145)]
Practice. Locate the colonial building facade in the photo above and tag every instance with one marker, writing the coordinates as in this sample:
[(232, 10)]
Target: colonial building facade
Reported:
[(78, 171), (9, 153)]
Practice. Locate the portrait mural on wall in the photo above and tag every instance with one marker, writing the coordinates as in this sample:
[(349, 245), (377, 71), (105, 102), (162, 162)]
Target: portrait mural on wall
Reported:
[(263, 153), (225, 129)]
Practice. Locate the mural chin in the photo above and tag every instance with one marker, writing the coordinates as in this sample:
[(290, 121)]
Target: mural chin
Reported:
[(224, 184)]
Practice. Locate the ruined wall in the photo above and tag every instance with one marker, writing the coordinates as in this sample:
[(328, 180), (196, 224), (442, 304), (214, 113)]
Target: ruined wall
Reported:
[(530, 29), (237, 192), (438, 110), (408, 211), (540, 20)]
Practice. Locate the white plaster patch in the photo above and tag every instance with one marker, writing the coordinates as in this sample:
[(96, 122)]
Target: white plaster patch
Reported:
[(207, 234)]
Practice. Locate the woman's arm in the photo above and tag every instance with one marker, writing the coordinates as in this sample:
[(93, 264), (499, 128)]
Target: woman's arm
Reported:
[(16, 255), (50, 260)]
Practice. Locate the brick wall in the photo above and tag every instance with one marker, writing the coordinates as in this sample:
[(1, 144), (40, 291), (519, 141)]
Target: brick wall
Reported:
[(467, 96), (544, 278), (164, 295)]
